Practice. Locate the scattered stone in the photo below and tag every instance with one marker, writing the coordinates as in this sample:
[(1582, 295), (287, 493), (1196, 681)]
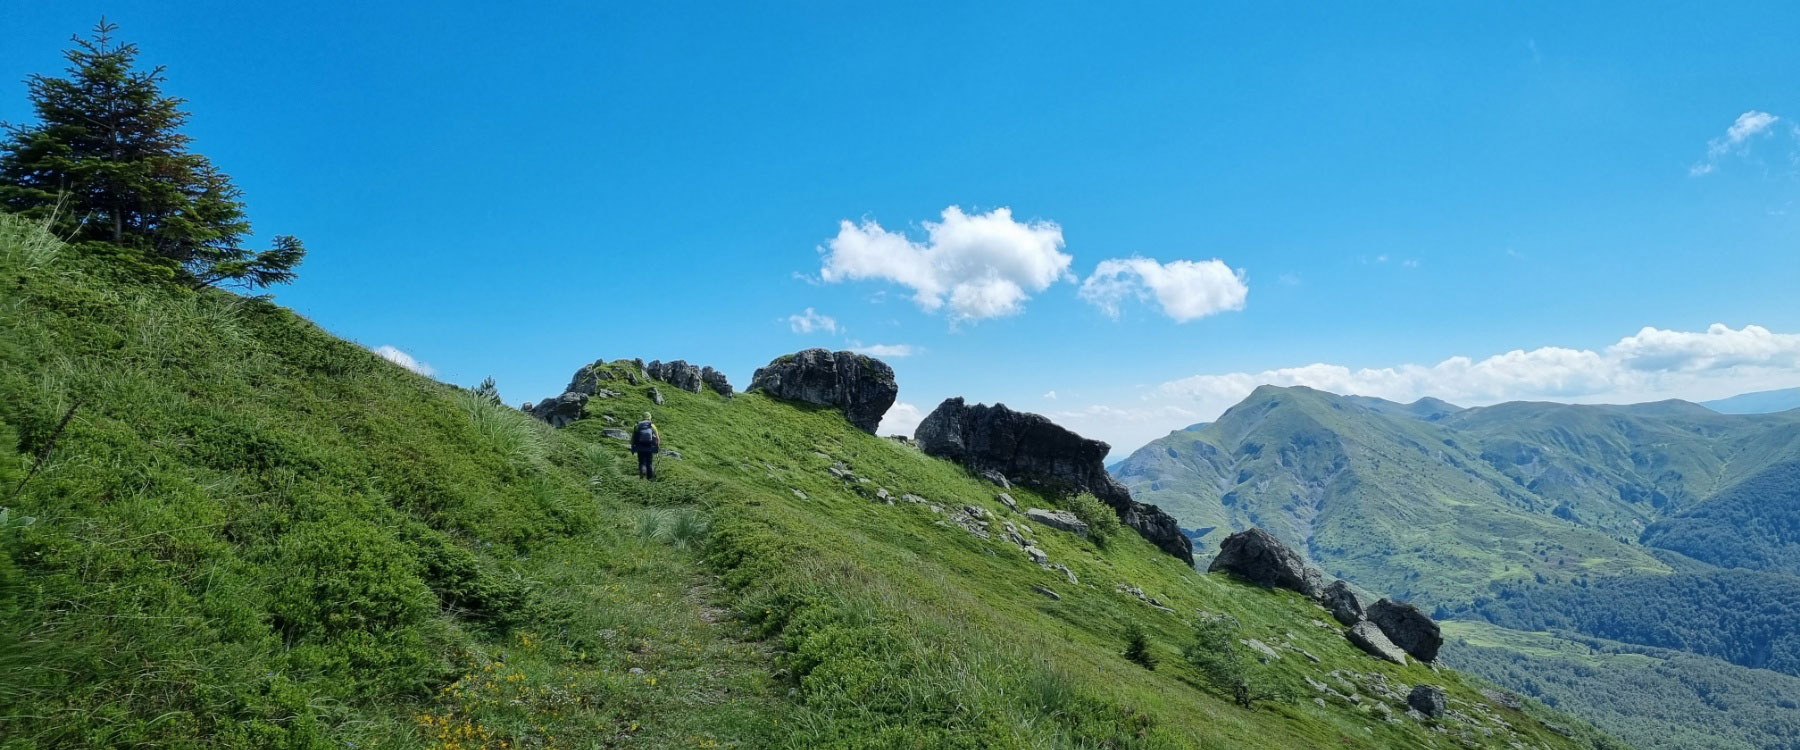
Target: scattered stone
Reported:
[(838, 470), (860, 385), (1262, 648), (1369, 638), (1037, 555), (1045, 590), (1345, 604), (1259, 557), (1408, 628), (911, 498), (656, 396), (1059, 519), (1030, 450), (1428, 700), (1503, 698), (799, 494), (616, 433), (636, 670), (1066, 572), (1317, 685), (1008, 501), (606, 393), (997, 478), (672, 454), (881, 494)]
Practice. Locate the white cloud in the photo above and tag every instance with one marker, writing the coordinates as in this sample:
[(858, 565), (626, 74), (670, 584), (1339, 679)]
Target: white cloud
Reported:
[(809, 321), (1185, 289), (1735, 139), (981, 265), (1650, 365), (1050, 396), (884, 350), (393, 354), (901, 419)]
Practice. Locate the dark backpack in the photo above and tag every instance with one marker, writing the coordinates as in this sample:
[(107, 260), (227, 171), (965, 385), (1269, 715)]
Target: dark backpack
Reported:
[(645, 439)]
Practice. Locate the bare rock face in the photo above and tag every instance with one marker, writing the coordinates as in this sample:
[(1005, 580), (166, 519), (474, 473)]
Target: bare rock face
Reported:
[(1429, 700), (1408, 628), (1257, 556), (863, 387), (716, 381), (678, 373), (1345, 604), (1030, 450)]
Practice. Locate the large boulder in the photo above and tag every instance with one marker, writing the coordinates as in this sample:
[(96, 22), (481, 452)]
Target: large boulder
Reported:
[(1059, 519), (1429, 700), (678, 373), (863, 387), (1257, 556), (1031, 450), (1370, 638), (1345, 604), (562, 410), (1408, 628)]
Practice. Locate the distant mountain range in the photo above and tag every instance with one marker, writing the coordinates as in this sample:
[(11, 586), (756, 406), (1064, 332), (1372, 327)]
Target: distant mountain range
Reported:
[(1620, 523), (1760, 402)]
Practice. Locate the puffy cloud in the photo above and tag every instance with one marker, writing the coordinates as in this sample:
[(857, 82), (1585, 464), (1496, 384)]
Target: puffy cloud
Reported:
[(809, 321), (884, 350), (980, 265), (393, 354), (1185, 289), (1650, 365), (901, 419), (1747, 125)]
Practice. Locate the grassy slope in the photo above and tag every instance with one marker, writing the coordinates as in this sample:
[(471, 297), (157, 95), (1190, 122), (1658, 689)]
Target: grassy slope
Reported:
[(252, 534)]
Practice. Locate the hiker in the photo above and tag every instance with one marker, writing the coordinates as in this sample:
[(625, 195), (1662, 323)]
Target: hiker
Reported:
[(646, 442)]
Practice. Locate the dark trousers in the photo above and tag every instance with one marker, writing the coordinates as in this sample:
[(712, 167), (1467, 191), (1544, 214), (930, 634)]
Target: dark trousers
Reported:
[(646, 465)]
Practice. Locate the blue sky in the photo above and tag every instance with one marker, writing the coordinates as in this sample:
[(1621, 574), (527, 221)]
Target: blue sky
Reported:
[(517, 192)]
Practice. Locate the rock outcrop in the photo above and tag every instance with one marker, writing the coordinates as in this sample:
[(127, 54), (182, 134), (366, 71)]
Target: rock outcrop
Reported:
[(678, 373), (1031, 450), (861, 386), (716, 381), (1058, 519), (1370, 638), (562, 410), (1257, 556), (1345, 604), (1408, 628)]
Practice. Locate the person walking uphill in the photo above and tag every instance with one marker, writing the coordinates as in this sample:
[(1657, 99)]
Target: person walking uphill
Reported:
[(646, 443)]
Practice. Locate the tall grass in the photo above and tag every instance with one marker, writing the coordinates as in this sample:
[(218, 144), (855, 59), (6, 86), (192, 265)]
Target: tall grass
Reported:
[(506, 431)]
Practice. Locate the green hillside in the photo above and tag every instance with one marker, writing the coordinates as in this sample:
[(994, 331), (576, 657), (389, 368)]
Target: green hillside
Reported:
[(1612, 523), (226, 528)]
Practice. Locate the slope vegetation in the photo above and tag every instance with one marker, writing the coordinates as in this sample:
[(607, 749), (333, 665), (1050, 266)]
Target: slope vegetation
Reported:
[(226, 528)]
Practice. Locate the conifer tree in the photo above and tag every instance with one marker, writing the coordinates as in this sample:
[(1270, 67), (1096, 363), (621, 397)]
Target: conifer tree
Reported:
[(106, 164)]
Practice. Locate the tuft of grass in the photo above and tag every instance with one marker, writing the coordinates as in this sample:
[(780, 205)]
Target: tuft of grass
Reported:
[(506, 431)]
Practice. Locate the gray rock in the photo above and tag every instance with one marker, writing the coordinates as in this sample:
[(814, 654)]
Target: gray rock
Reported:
[(715, 380), (587, 379), (1070, 574), (881, 494), (1345, 604), (562, 410), (1045, 590), (1030, 450), (678, 373), (1370, 638), (615, 433), (1503, 698), (1008, 501), (997, 478), (1257, 556), (1037, 555), (861, 386), (1262, 648), (1428, 700), (656, 396), (799, 494), (1408, 628), (1059, 519)]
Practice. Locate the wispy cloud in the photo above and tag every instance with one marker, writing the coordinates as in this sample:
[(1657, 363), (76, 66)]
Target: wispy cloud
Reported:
[(1184, 289), (885, 350), (393, 354), (981, 265), (810, 321), (1735, 140)]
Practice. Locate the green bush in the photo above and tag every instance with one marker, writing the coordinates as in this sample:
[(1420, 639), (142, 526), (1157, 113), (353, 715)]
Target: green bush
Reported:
[(1101, 519), (1228, 665), (1137, 647)]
